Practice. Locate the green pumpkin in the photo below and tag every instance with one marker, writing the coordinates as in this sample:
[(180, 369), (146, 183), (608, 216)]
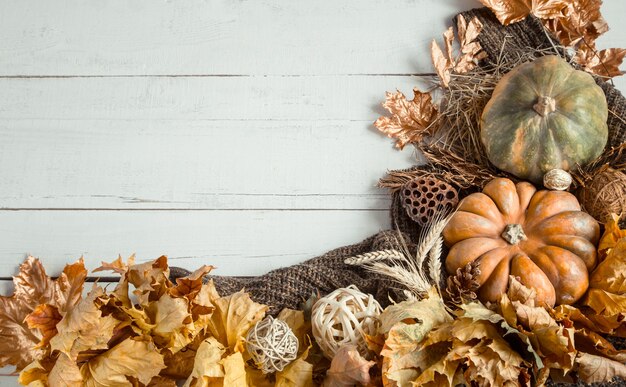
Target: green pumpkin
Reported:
[(544, 115)]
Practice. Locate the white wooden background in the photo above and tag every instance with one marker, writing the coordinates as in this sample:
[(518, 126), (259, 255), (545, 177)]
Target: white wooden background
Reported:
[(232, 133)]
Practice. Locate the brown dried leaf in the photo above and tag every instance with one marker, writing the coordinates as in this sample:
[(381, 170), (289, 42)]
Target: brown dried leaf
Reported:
[(207, 369), (44, 318), (604, 63), (298, 373), (512, 11), (441, 63), (190, 285), (518, 292), (410, 121), (610, 274), (594, 369), (32, 288), (234, 370), (234, 315), (348, 368), (117, 266), (612, 235), (135, 358), (581, 19), (65, 373), (471, 51)]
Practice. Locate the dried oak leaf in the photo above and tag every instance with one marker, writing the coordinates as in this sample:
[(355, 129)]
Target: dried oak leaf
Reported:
[(136, 358), (470, 50), (512, 11), (32, 288), (233, 316), (604, 63), (348, 368), (410, 121), (580, 19)]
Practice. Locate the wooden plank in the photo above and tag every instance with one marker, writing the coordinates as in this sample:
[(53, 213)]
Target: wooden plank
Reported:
[(242, 98), (135, 164), (237, 242), (220, 36)]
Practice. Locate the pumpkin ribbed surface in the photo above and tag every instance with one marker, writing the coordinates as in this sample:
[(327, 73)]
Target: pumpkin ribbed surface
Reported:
[(544, 115), (542, 237)]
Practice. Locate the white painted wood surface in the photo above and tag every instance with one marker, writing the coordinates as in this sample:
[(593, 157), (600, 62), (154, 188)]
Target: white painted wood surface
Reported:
[(232, 133)]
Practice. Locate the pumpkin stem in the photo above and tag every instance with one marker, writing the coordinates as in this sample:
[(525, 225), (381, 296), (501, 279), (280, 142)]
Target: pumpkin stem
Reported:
[(545, 105), (514, 234)]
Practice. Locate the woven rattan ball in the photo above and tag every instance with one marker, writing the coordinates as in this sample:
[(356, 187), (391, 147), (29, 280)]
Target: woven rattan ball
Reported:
[(272, 345), (604, 194), (423, 197), (344, 316)]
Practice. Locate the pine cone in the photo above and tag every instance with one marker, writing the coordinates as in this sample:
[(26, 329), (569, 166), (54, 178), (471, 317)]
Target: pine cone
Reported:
[(462, 286)]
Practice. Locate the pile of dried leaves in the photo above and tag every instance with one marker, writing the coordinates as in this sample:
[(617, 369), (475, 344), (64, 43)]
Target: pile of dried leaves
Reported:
[(147, 331), (513, 342)]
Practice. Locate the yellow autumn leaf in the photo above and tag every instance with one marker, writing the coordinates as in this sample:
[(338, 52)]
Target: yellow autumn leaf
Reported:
[(298, 373), (118, 266), (610, 274), (65, 373), (170, 319), (190, 285), (135, 358), (612, 234), (83, 328), (298, 324), (233, 316), (207, 369), (34, 374), (234, 370), (597, 369), (44, 318), (32, 287)]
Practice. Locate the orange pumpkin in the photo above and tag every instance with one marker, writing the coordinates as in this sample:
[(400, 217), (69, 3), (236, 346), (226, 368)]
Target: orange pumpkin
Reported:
[(541, 237)]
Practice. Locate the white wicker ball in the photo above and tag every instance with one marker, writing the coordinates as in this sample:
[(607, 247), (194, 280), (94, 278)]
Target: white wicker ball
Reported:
[(272, 345), (344, 317)]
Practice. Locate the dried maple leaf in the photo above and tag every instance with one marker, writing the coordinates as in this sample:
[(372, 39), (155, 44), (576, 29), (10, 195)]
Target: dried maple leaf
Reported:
[(298, 373), (580, 19), (32, 288), (234, 370), (348, 368), (44, 318), (594, 369), (410, 121), (512, 11), (299, 325), (65, 373), (233, 316), (207, 368), (604, 63), (471, 51), (117, 266), (612, 235), (136, 358)]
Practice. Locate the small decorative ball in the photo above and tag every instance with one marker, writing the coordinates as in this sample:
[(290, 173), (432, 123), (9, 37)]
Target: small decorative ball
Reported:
[(557, 179), (604, 194), (423, 197), (344, 316), (272, 345)]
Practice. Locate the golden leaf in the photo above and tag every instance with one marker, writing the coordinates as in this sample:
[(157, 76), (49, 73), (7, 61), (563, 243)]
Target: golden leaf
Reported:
[(65, 373), (594, 369), (512, 11), (298, 373), (348, 368), (610, 274), (34, 374), (83, 328), (605, 303), (162, 381), (135, 358), (612, 235), (207, 369), (233, 316), (580, 19), (410, 121), (170, 320), (234, 370), (45, 318), (443, 62), (604, 63), (518, 292), (190, 285), (117, 266), (33, 287)]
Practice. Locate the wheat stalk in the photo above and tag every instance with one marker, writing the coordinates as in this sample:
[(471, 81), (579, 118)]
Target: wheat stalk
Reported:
[(434, 262), (374, 256), (430, 236)]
